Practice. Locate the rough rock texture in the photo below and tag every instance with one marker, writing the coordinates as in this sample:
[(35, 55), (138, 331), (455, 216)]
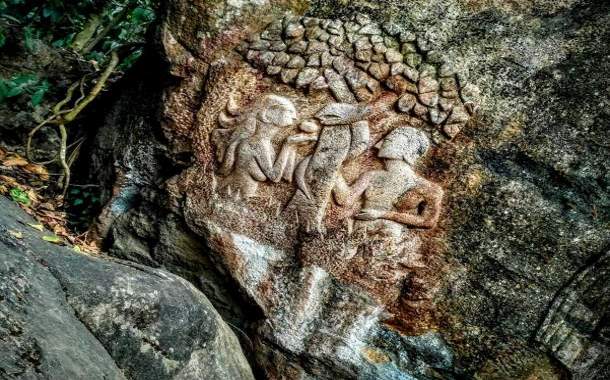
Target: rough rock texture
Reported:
[(68, 316), (363, 244)]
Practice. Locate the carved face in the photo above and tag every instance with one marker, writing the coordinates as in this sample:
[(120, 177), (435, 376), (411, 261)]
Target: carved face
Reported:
[(277, 111), (404, 143)]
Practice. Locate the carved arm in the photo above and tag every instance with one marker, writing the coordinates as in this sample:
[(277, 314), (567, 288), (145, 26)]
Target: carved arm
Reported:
[(429, 195), (346, 195), (273, 170)]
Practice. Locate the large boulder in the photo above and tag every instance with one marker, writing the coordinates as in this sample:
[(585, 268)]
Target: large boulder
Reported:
[(396, 189), (65, 315)]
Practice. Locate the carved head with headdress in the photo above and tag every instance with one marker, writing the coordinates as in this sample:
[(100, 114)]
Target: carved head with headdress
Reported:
[(404, 143), (275, 110)]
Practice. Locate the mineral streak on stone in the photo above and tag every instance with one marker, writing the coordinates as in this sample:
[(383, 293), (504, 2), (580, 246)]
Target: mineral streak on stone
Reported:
[(392, 51)]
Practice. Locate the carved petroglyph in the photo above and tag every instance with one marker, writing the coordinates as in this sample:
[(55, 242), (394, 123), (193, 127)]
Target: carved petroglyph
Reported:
[(395, 195), (396, 199), (576, 329), (358, 59), (381, 81), (398, 194), (244, 146), (344, 136)]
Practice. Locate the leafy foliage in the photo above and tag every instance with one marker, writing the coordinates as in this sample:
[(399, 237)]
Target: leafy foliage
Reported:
[(23, 84), (90, 28), (58, 22)]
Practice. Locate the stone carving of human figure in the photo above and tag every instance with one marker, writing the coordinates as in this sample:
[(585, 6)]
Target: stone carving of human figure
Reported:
[(249, 156), (344, 135), (396, 194), (396, 201)]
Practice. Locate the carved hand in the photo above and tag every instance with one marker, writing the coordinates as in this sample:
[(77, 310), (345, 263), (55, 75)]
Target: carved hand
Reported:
[(369, 214)]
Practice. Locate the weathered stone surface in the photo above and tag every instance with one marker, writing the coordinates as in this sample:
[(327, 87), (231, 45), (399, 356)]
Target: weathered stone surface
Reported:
[(40, 337), (68, 316), (509, 281)]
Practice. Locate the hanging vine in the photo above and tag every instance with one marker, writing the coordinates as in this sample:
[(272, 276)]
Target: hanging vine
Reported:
[(61, 116)]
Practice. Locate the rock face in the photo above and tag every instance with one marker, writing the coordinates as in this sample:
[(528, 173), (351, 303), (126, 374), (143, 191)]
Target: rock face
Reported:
[(397, 190), (68, 316)]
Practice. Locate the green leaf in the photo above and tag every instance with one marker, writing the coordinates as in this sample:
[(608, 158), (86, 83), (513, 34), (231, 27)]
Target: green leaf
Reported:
[(39, 93), (51, 13), (17, 85), (140, 14), (38, 227), (20, 196), (52, 239), (37, 97), (78, 202), (28, 38), (47, 11), (112, 45), (130, 60), (24, 79), (96, 56), (14, 91), (63, 42), (16, 234)]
